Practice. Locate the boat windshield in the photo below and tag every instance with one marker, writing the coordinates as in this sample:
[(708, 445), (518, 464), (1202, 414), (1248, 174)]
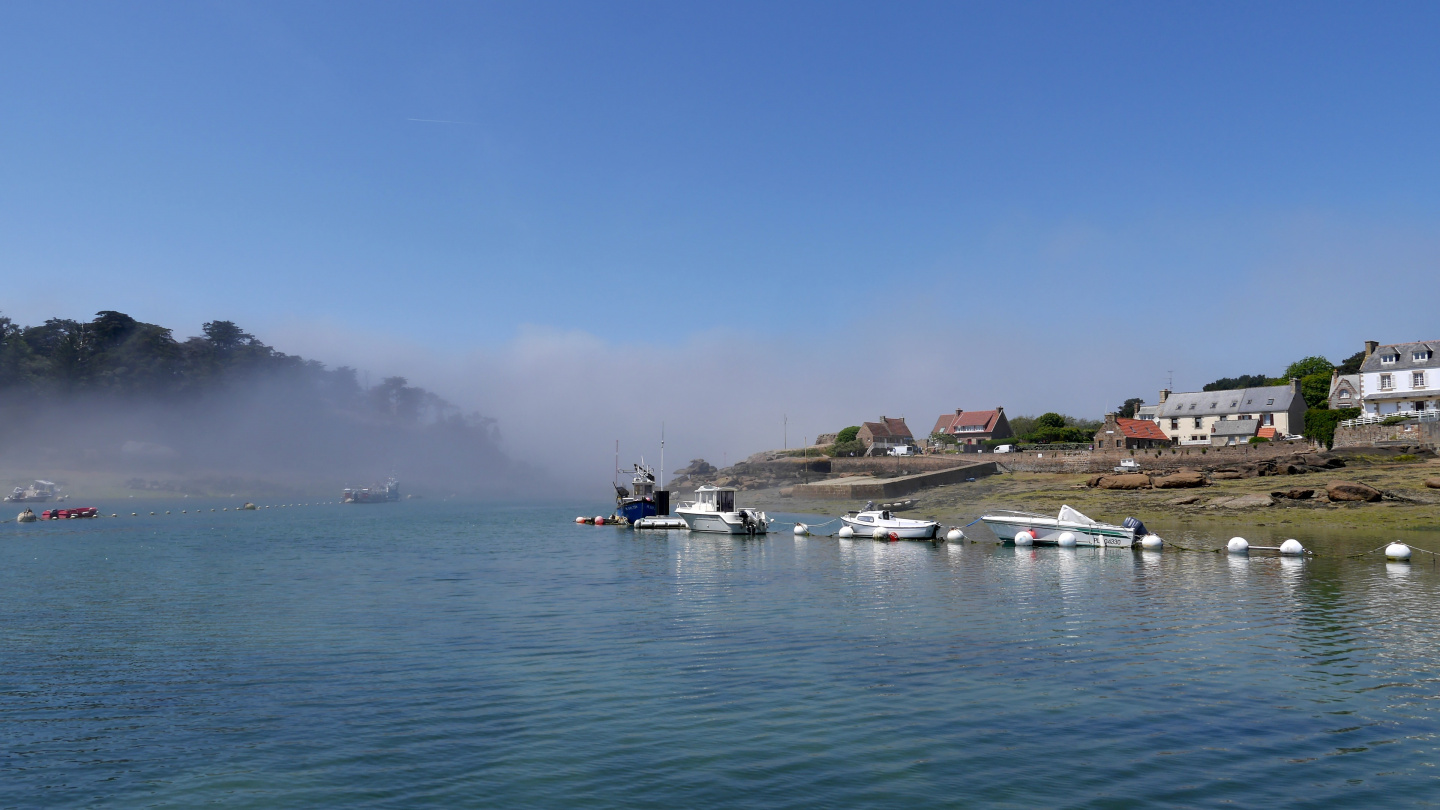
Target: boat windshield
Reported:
[(1069, 515)]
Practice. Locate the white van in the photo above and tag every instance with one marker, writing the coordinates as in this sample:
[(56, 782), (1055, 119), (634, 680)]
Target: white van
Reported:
[(1005, 448), (902, 450)]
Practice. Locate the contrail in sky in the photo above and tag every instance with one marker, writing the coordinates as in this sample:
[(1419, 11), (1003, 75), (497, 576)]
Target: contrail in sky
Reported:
[(440, 121)]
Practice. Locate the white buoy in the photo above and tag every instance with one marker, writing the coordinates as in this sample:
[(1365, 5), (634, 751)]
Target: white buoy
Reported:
[(801, 529), (1292, 546), (954, 535), (167, 511), (599, 520), (1238, 545), (152, 514), (879, 534), (1066, 540), (1024, 538), (1152, 542), (577, 520), (846, 532), (1397, 551)]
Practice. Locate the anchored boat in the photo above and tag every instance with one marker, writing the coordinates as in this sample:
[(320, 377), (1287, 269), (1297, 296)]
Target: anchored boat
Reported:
[(38, 492), (1050, 530), (865, 523), (641, 500), (389, 492), (714, 510)]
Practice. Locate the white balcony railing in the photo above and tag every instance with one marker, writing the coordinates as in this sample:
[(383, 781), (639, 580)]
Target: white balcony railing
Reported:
[(1377, 418)]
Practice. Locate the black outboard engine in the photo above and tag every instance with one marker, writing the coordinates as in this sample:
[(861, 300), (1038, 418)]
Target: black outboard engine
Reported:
[(1134, 523)]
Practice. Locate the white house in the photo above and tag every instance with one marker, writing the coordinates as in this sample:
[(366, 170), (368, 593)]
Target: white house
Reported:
[(1400, 377), (1190, 419)]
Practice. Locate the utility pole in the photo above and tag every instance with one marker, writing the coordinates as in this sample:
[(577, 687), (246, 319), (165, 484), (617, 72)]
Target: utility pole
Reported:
[(786, 432)]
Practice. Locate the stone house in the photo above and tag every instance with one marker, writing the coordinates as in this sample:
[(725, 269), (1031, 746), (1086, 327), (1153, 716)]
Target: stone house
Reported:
[(1119, 433), (879, 437), (1188, 418), (974, 427), (1344, 390), (1400, 378)]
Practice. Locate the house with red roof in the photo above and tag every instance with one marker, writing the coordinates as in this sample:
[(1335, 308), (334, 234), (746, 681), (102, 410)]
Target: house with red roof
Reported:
[(1119, 433), (971, 428), (880, 436)]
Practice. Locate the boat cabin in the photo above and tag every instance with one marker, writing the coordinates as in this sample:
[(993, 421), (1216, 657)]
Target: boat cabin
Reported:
[(721, 499)]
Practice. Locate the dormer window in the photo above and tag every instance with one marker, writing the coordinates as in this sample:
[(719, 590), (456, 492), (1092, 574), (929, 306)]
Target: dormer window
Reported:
[(1236, 402), (1389, 358), (1192, 406), (1270, 401), (1420, 355), (1344, 394), (1213, 404)]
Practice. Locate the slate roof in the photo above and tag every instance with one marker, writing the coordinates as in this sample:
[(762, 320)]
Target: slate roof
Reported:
[(1229, 403), (1353, 380), (1141, 429), (1405, 350), (1236, 427), (950, 422)]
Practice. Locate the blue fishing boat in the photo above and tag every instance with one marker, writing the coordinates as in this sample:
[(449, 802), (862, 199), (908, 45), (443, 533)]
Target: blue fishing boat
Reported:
[(640, 500)]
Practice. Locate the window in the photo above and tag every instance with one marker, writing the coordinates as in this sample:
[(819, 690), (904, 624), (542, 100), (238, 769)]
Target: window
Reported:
[(1268, 419), (1118, 442), (1174, 424), (1197, 421), (1420, 355), (1344, 394), (1236, 402), (1387, 382), (1389, 358), (1270, 401), (1192, 406), (1417, 379)]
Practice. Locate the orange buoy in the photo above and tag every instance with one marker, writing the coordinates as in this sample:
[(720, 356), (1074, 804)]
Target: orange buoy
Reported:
[(894, 537), (579, 520), (599, 521)]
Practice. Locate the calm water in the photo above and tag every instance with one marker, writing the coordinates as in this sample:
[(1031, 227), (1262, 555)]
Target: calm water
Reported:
[(445, 655)]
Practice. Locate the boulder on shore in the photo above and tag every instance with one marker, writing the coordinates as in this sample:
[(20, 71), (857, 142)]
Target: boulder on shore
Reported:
[(1351, 491), (1296, 494), (1433, 483), (1180, 479), (1123, 481), (1241, 502), (1227, 475)]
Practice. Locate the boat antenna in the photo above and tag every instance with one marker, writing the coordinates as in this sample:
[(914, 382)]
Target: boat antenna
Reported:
[(662, 455), (617, 462)]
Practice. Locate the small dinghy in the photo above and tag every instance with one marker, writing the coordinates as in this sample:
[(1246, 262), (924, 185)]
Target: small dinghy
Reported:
[(28, 516), (865, 523), (1053, 531)]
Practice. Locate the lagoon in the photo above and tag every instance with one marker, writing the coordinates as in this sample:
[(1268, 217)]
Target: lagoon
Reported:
[(441, 654)]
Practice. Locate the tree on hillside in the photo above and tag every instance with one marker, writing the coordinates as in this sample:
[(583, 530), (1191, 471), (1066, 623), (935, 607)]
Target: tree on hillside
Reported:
[(1236, 383), (1128, 408), (849, 434), (1315, 388), (1050, 420), (1308, 366), (1351, 364)]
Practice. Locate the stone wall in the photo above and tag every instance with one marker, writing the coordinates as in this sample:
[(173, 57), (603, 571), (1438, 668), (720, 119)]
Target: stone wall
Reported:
[(1169, 459), (1415, 433)]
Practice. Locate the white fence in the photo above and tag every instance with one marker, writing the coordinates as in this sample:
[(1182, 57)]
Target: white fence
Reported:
[(1377, 418)]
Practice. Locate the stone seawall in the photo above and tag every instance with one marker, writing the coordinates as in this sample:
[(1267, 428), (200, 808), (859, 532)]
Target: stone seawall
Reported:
[(1165, 460), (856, 487), (1421, 433)]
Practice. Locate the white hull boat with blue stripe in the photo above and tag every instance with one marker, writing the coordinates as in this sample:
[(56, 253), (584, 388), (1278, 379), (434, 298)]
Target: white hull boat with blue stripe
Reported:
[(1047, 530)]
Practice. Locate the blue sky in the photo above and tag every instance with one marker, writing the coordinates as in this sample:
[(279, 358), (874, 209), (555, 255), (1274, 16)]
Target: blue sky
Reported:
[(1097, 194)]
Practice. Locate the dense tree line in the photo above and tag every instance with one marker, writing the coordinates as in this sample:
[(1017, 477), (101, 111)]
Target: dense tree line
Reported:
[(120, 393)]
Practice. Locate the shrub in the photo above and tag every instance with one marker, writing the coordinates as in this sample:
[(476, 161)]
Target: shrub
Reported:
[(1407, 457), (1394, 420), (851, 448), (849, 434), (1320, 423), (1259, 440)]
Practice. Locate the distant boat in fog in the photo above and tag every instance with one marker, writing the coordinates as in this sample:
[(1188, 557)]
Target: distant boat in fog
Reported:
[(380, 494)]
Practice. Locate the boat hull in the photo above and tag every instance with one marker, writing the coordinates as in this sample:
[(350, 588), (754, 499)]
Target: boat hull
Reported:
[(928, 531), (1047, 531), (634, 510), (719, 522)]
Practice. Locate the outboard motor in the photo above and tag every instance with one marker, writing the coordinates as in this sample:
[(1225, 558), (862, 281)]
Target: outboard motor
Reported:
[(1134, 523)]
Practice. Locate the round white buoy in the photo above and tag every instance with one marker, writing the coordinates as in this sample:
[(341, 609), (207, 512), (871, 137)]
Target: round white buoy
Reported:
[(955, 535), (879, 534), (1152, 542), (1292, 546), (152, 514), (1066, 540), (1024, 538), (599, 521), (1237, 545), (182, 511), (577, 520), (112, 514), (1397, 551), (167, 511), (134, 514), (846, 532), (801, 529)]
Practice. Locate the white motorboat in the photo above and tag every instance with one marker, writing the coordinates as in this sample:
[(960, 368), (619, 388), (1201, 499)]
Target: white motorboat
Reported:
[(713, 510), (1048, 530), (865, 523)]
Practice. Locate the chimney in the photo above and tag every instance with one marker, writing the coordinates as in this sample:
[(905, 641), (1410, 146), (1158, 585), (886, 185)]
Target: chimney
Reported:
[(1164, 395), (999, 409), (1294, 385), (1334, 375), (959, 411), (1370, 347)]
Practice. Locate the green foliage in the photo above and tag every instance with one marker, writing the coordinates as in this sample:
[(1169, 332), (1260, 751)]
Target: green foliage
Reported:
[(1259, 440), (1320, 423), (1394, 420), (1050, 420), (1021, 426), (1351, 364), (944, 438), (1407, 457), (1301, 369), (853, 447), (1234, 383), (1128, 408), (849, 434), (1315, 388)]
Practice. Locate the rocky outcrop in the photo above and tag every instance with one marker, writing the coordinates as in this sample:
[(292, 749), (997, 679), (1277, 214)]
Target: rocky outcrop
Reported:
[(1433, 483), (1352, 491), (1123, 481), (1181, 479), (1241, 502), (1296, 494)]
